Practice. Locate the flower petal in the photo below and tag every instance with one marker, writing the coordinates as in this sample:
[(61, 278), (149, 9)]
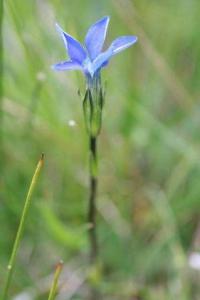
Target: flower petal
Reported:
[(67, 65), (117, 46), (74, 48), (122, 42), (102, 60), (95, 37)]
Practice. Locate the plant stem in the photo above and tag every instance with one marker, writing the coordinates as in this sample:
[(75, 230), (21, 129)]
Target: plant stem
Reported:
[(54, 286), (27, 203), (92, 212), (92, 201)]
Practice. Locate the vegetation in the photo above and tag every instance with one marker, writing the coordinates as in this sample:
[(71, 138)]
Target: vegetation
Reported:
[(149, 170)]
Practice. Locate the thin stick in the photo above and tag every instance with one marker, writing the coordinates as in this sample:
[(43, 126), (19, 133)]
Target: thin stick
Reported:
[(92, 201), (27, 203), (54, 285)]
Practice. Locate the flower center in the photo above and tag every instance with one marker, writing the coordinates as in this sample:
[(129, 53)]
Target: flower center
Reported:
[(88, 67)]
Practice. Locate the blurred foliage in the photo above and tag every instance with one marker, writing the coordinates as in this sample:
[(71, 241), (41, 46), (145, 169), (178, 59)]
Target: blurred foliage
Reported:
[(149, 150)]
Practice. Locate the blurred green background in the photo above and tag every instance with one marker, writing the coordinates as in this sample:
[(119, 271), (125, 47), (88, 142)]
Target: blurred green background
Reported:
[(149, 149)]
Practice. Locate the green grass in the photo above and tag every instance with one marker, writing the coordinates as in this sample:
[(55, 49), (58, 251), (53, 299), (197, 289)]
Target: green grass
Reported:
[(54, 286), (149, 149), (22, 223)]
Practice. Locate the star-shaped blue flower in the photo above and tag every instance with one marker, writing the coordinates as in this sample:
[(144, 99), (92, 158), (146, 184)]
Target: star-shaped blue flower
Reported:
[(90, 59)]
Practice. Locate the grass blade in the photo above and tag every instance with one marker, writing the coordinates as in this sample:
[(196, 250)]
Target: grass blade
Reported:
[(54, 285), (27, 203)]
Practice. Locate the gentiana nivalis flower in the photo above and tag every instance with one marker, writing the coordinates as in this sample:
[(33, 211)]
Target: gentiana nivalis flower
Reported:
[(91, 58)]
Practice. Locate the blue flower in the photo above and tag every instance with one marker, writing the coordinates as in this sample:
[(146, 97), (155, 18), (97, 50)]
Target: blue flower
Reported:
[(90, 59)]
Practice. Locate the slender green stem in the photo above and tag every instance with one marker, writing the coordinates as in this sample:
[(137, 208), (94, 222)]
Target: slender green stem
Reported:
[(54, 285), (92, 201), (92, 108), (27, 203), (92, 212)]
